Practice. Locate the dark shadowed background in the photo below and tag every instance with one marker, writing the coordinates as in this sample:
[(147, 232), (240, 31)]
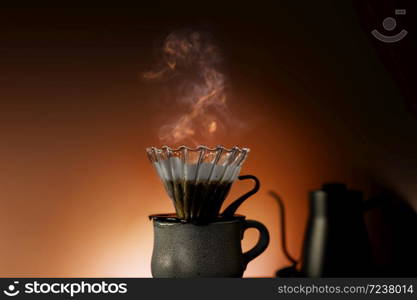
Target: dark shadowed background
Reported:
[(320, 99)]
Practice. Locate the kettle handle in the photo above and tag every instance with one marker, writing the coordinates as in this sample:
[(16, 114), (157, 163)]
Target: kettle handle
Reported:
[(231, 209)]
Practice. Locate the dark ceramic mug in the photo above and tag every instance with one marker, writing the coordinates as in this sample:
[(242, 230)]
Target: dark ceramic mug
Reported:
[(203, 250)]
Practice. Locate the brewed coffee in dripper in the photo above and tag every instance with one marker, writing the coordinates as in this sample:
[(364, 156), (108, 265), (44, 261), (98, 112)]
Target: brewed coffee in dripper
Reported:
[(197, 180)]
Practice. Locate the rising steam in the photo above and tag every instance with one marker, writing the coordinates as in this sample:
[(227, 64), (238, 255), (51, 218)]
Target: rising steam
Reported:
[(191, 58)]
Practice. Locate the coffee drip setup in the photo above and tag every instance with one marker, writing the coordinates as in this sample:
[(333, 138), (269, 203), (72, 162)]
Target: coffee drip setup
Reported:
[(199, 240)]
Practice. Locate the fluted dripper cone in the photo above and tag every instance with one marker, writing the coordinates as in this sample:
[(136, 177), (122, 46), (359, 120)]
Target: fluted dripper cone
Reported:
[(197, 180)]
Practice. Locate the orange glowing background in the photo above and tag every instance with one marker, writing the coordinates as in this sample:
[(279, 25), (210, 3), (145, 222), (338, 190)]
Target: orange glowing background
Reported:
[(75, 184)]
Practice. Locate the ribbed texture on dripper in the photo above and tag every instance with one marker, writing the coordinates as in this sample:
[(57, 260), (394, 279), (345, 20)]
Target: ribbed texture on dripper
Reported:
[(197, 179)]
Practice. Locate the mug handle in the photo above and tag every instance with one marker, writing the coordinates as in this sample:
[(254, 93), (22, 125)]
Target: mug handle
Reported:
[(231, 209), (262, 243)]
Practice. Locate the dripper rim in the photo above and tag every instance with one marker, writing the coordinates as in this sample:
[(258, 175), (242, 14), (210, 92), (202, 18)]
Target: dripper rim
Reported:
[(199, 147)]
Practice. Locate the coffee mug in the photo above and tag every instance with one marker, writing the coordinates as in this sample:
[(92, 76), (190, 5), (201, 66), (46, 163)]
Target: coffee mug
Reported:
[(184, 249)]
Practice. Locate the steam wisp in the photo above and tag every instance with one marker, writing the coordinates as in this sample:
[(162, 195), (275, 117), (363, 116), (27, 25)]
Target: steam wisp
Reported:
[(191, 58)]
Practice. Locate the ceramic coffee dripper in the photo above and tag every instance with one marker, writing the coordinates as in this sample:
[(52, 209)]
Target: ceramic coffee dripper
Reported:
[(197, 180)]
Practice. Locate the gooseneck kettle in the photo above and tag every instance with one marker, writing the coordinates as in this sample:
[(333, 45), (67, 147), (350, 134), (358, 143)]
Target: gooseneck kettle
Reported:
[(336, 242)]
